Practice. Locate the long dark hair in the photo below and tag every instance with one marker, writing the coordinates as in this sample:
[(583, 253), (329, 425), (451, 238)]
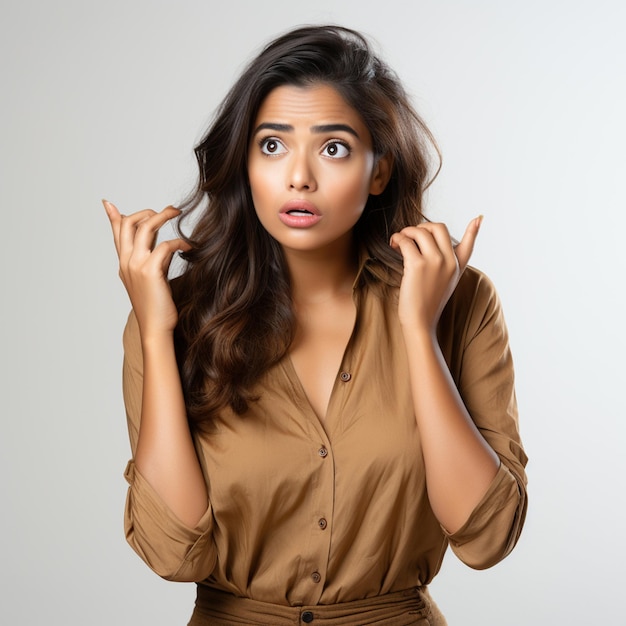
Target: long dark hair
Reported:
[(235, 312)]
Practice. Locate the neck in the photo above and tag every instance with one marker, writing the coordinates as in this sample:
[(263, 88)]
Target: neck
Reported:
[(321, 275)]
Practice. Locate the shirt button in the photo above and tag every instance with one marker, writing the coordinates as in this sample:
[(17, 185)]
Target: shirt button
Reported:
[(323, 452), (316, 577), (345, 376), (307, 617), (322, 523)]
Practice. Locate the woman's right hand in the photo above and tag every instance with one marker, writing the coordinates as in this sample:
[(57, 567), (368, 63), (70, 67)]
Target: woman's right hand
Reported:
[(144, 266)]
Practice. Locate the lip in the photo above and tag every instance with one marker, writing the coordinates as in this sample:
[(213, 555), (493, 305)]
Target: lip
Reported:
[(309, 217)]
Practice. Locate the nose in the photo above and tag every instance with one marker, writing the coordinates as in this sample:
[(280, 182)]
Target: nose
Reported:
[(301, 176)]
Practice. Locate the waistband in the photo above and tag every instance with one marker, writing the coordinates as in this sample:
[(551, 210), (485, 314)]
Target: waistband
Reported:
[(219, 608)]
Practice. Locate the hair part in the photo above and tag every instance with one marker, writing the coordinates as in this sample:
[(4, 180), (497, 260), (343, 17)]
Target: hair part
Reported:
[(236, 317)]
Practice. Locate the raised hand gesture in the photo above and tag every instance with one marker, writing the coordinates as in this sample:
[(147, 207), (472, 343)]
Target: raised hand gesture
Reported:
[(432, 268), (144, 266)]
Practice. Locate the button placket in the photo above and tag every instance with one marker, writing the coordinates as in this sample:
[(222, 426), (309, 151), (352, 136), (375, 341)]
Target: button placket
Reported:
[(315, 558)]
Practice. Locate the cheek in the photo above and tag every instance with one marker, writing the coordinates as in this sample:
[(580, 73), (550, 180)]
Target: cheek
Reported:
[(352, 190)]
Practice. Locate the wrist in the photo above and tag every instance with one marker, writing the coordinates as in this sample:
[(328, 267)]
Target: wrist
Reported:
[(420, 336), (154, 339), (421, 329)]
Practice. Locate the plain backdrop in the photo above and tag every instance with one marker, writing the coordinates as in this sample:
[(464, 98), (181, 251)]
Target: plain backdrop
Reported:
[(106, 99)]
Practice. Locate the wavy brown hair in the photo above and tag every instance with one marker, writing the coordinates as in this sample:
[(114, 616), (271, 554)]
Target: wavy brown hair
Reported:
[(236, 318)]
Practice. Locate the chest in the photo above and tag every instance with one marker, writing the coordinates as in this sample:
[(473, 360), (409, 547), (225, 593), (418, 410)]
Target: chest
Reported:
[(280, 455), (323, 335), (345, 389)]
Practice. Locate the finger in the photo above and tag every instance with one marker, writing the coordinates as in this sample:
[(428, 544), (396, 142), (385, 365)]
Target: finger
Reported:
[(441, 235), (115, 219), (433, 241), (425, 240), (128, 230), (147, 229), (138, 231), (164, 252), (465, 247), (407, 247)]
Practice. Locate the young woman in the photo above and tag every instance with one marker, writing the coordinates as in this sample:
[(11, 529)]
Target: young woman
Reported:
[(324, 400)]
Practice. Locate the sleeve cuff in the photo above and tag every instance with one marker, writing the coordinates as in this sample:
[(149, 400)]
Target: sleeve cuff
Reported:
[(169, 547), (494, 526)]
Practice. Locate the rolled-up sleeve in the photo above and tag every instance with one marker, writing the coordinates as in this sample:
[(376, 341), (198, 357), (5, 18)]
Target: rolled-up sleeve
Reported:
[(494, 526), (169, 547), (481, 363)]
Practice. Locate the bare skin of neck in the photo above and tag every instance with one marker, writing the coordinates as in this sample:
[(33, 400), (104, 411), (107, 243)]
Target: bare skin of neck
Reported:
[(325, 312)]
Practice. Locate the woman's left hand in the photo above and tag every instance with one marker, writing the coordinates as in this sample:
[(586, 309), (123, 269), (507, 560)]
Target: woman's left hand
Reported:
[(432, 268)]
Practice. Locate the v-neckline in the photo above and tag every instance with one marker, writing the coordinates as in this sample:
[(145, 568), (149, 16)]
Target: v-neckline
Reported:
[(293, 374)]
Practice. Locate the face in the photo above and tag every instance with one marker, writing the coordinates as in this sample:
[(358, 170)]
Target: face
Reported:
[(311, 167)]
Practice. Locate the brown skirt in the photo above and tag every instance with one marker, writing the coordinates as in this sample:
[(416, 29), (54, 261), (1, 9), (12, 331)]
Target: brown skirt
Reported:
[(412, 607)]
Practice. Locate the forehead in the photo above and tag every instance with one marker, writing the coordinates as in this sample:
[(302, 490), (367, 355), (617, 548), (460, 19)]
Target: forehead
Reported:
[(314, 104)]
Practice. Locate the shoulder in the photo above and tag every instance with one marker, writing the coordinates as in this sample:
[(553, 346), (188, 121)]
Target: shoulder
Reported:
[(472, 331), (474, 285), (474, 292), (473, 305)]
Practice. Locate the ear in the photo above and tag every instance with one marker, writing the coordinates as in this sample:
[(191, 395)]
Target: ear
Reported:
[(381, 174)]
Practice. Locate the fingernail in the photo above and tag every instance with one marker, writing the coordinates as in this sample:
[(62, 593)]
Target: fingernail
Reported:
[(479, 221)]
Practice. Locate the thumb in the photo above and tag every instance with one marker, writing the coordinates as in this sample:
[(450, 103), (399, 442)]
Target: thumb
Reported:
[(465, 247)]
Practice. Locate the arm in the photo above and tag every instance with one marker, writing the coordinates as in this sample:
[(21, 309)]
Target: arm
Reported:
[(165, 453), (460, 464), (474, 340), (167, 484)]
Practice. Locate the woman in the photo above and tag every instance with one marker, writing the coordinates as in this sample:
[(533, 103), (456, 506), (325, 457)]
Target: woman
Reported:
[(324, 400)]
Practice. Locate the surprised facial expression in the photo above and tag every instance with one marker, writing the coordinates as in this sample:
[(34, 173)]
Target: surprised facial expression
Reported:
[(311, 167)]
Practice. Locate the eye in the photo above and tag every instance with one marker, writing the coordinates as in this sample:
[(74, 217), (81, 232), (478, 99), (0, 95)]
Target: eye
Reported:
[(336, 150), (272, 146)]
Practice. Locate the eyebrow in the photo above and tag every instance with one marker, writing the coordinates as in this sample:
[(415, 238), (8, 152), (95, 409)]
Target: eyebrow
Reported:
[(323, 128)]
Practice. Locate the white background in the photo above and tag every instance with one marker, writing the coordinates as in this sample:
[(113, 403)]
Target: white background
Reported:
[(528, 102)]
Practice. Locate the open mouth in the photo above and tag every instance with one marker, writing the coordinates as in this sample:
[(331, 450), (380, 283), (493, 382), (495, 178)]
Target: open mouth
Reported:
[(299, 212)]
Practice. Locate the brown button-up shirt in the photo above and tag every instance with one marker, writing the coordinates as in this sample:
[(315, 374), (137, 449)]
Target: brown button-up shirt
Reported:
[(305, 512)]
